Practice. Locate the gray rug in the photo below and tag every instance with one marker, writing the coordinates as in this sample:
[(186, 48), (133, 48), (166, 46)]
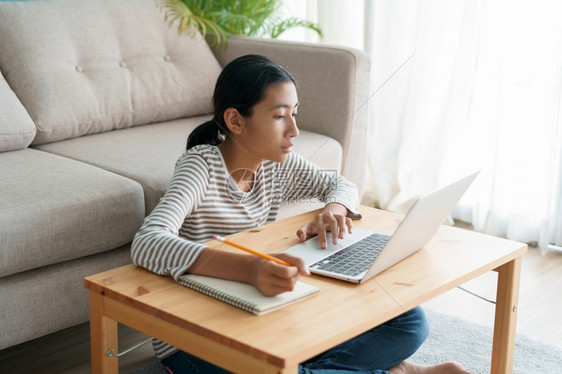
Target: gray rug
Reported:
[(455, 339)]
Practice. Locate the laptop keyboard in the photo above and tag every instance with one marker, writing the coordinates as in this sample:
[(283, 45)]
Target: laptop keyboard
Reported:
[(356, 258)]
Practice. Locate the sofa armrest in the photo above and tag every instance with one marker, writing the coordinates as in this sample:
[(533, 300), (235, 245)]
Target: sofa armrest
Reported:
[(333, 86)]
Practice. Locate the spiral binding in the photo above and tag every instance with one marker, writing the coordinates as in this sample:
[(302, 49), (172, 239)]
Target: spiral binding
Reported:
[(219, 295)]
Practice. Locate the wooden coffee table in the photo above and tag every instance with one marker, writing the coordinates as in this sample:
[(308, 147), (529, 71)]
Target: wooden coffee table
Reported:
[(279, 341)]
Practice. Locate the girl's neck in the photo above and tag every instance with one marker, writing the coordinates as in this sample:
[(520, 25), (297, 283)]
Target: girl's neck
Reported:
[(241, 168)]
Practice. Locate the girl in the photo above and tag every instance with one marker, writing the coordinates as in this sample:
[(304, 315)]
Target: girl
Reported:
[(237, 170)]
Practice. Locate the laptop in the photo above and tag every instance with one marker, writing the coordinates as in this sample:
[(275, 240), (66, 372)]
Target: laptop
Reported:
[(365, 253)]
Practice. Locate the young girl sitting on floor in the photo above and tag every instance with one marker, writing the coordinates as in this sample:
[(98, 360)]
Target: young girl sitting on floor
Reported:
[(237, 170)]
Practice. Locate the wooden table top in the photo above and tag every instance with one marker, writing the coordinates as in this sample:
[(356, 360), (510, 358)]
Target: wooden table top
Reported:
[(340, 311)]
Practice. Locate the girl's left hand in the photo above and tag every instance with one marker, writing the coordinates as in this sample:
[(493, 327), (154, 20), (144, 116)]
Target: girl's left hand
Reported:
[(333, 220)]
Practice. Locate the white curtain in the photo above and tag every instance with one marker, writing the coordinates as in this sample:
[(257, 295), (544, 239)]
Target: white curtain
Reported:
[(460, 85)]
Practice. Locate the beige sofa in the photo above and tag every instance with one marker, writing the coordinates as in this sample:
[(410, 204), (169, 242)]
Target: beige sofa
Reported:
[(96, 101)]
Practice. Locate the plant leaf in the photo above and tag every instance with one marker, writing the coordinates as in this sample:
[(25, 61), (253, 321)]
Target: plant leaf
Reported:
[(289, 23), (219, 18)]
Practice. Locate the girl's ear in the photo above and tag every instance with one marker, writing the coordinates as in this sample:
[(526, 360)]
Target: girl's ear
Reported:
[(234, 120)]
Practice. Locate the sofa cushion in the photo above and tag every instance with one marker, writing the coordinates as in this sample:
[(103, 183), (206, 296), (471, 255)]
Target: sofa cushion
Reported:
[(56, 209), (16, 127), (147, 154), (50, 298), (89, 66), (320, 149)]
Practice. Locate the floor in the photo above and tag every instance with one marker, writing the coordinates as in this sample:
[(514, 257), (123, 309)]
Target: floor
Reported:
[(540, 304), (540, 301)]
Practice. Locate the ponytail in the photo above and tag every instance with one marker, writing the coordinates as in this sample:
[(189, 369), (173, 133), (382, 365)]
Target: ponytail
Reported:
[(207, 133)]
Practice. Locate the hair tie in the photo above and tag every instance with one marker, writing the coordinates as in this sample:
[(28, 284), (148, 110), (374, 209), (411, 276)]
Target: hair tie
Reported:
[(217, 124)]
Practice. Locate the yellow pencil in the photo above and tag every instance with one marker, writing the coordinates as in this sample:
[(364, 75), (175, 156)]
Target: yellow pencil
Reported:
[(259, 254)]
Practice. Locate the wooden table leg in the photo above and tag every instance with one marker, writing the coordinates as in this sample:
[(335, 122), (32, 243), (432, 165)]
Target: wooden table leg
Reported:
[(507, 298), (103, 337)]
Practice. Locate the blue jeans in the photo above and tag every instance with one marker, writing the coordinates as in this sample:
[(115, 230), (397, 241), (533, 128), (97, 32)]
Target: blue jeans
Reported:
[(373, 352)]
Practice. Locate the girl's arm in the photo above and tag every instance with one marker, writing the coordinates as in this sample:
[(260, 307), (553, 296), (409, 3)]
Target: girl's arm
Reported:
[(158, 248), (311, 181), (267, 276)]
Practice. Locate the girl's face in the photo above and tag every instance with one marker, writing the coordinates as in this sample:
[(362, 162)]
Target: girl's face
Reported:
[(269, 132)]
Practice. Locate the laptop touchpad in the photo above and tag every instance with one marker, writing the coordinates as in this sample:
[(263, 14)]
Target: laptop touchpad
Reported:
[(311, 252)]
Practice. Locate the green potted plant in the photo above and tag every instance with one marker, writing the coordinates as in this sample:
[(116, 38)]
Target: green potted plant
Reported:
[(216, 19)]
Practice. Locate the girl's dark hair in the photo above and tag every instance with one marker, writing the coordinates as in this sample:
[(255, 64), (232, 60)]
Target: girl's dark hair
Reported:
[(241, 85)]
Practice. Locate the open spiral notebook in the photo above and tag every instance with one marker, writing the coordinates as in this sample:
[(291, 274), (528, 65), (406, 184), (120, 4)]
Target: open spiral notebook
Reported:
[(246, 296)]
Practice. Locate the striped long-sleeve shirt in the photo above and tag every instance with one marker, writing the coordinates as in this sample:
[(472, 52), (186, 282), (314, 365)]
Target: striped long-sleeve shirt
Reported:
[(202, 200)]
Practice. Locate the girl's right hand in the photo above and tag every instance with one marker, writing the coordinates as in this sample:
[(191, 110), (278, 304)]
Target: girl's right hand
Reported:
[(272, 279)]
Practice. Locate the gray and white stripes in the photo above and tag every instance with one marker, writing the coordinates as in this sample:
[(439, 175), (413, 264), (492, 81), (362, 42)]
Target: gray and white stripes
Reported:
[(202, 200)]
